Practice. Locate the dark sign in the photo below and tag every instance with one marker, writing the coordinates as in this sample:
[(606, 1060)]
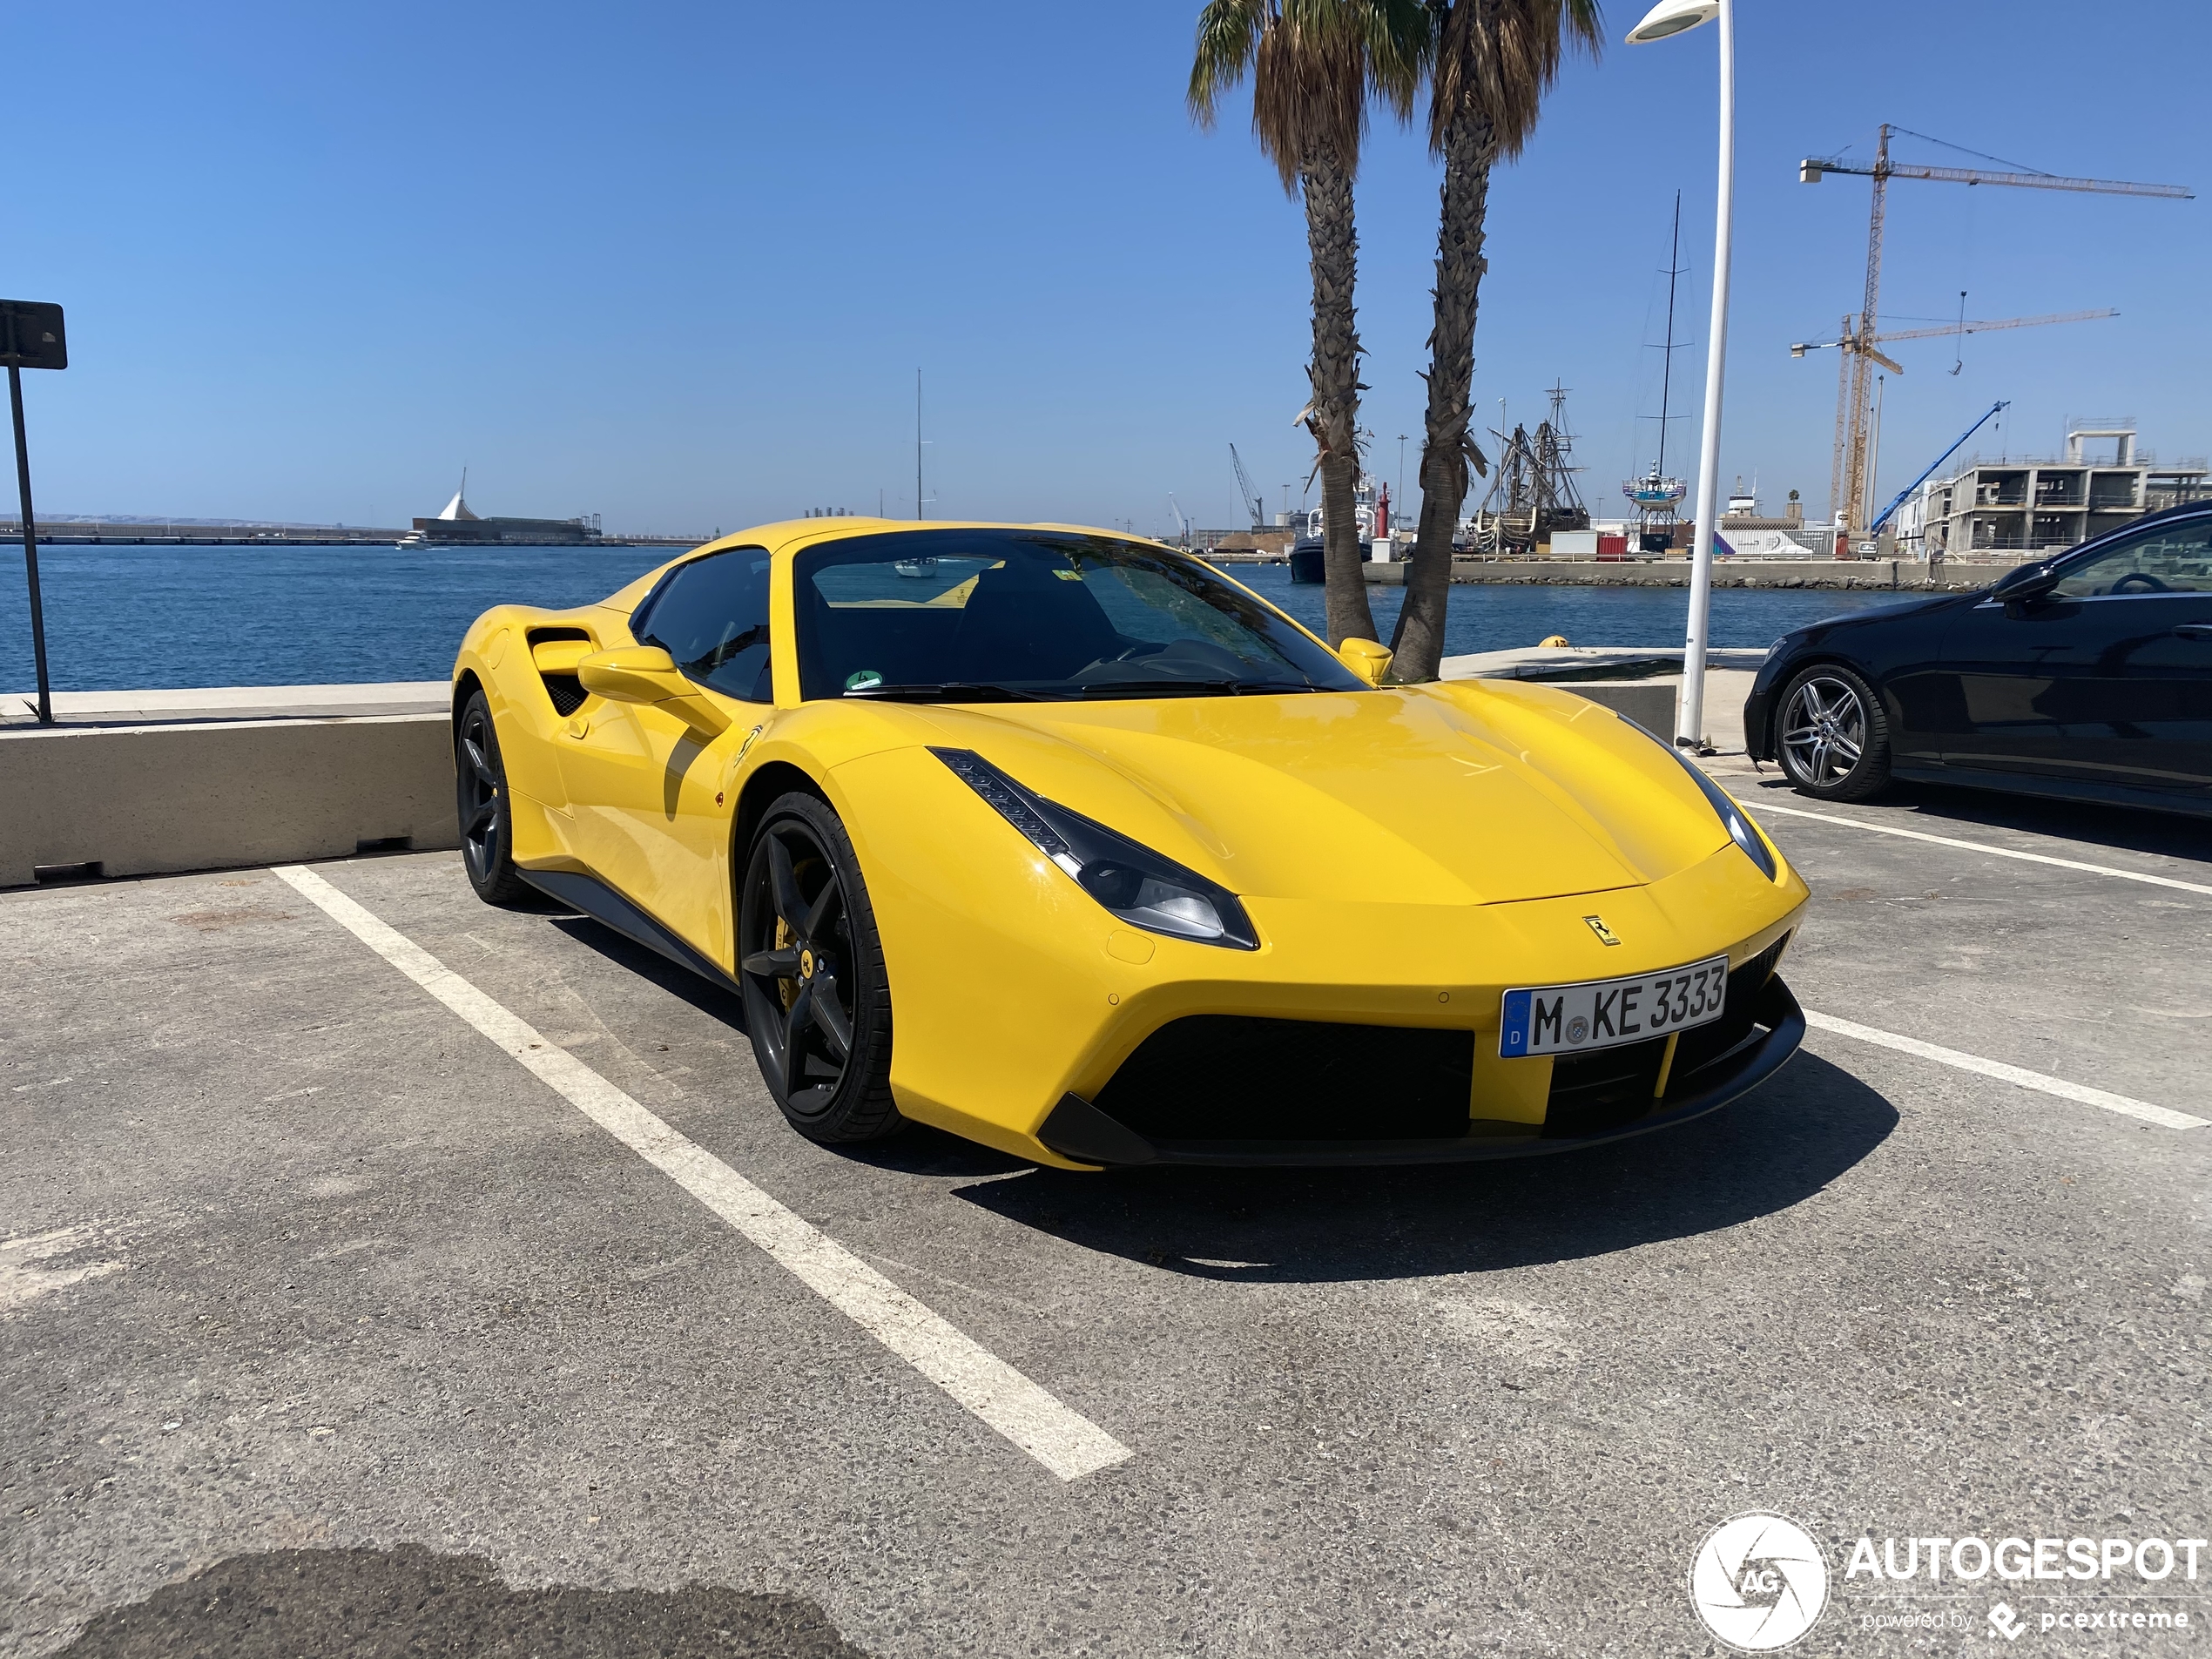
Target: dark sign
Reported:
[(30, 335)]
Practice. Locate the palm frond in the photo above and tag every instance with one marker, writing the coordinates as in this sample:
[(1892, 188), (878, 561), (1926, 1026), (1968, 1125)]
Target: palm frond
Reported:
[(1229, 36), (1400, 43), (1496, 59), (1315, 65)]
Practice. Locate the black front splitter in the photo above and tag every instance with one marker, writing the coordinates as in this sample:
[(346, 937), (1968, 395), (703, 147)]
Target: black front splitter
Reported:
[(1078, 1130)]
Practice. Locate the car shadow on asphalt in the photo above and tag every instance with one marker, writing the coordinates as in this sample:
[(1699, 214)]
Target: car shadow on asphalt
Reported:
[(677, 981), (279, 1603), (2135, 829), (1774, 1149)]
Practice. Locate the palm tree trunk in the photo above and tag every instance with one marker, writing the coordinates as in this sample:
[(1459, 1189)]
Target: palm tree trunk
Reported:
[(1333, 244), (1470, 146)]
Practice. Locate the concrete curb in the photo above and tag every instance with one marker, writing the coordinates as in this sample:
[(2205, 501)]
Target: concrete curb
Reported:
[(137, 800), (1901, 576)]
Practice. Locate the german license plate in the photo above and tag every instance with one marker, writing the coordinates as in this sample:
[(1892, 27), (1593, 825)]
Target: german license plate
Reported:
[(1604, 1013)]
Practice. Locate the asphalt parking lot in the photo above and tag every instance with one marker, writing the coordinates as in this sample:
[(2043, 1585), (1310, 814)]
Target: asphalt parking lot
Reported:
[(327, 1324)]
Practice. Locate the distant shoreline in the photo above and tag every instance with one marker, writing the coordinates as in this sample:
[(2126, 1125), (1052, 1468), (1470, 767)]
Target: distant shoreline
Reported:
[(67, 535)]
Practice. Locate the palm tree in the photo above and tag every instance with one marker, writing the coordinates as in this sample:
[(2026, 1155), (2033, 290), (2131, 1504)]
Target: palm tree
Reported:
[(1315, 66), (1496, 59)]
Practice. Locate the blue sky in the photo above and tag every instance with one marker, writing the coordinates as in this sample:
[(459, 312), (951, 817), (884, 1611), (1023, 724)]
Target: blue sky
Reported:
[(678, 263)]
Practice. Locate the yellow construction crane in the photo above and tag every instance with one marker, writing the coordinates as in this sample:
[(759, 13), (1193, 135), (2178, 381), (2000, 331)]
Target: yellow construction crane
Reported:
[(1847, 473), (1856, 346), (1949, 329)]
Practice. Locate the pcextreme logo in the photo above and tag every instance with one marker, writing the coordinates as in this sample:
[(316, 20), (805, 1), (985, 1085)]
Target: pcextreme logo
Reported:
[(1758, 1582)]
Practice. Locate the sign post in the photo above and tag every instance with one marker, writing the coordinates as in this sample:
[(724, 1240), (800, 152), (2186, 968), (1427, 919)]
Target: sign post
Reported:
[(31, 337)]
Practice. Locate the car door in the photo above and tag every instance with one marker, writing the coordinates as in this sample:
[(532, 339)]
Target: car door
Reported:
[(2105, 678), (2131, 694), (1988, 700), (648, 793)]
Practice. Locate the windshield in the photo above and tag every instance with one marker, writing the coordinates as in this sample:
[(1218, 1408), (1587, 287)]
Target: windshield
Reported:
[(975, 616)]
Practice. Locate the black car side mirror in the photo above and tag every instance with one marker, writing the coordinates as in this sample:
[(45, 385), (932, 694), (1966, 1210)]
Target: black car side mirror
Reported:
[(2027, 584)]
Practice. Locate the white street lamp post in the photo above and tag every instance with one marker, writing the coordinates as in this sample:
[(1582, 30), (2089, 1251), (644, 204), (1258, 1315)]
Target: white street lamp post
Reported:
[(1673, 17)]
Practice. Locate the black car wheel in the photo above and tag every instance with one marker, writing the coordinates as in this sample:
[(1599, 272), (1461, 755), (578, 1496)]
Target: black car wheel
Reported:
[(480, 788), (816, 1003), (1832, 737)]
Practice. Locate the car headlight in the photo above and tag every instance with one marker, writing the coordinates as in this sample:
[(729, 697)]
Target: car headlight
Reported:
[(1739, 828), (1128, 880)]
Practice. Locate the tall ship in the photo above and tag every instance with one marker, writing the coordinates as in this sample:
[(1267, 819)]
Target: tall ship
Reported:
[(1532, 491), (457, 527)]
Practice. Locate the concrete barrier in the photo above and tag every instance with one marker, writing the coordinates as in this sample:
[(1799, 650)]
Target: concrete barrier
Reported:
[(140, 799), (1902, 576), (1650, 704), (143, 782)]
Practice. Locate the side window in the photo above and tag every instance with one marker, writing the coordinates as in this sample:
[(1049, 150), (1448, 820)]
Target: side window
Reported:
[(712, 615), (2174, 558)]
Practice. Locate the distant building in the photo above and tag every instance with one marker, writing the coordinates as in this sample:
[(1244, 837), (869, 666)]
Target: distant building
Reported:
[(2037, 505), (457, 526)]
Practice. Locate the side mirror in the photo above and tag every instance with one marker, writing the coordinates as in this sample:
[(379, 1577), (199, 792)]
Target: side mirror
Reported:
[(632, 674), (648, 674), (1366, 658), (2027, 584)]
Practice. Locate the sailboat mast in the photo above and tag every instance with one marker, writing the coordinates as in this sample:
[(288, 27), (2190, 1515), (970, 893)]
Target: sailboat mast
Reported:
[(1667, 360)]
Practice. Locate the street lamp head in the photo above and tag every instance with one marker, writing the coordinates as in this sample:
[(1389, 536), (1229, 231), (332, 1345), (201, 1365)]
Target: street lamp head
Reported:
[(1672, 17)]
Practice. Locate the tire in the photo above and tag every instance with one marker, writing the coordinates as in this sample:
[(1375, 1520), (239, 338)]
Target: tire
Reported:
[(480, 791), (817, 1002), (1841, 750)]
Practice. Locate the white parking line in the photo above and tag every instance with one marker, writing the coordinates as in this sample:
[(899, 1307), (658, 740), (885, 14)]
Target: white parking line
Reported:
[(1067, 1443), (2164, 1116), (1984, 847)]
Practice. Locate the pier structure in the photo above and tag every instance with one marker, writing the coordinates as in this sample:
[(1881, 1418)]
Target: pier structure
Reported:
[(106, 532)]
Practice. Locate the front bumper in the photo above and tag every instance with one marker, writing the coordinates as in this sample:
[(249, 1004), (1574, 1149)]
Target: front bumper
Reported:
[(1079, 1130), (1758, 718)]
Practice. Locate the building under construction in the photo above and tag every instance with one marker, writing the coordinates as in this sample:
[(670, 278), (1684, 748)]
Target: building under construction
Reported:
[(2031, 505)]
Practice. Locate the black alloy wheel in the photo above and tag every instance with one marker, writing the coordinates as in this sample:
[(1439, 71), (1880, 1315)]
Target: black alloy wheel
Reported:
[(480, 788), (1833, 736), (817, 1005)]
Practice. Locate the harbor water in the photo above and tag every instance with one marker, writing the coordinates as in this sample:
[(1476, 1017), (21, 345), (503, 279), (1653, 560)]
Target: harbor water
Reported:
[(160, 618)]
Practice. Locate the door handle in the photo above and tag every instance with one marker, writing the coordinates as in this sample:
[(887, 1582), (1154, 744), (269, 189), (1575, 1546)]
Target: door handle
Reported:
[(2195, 631)]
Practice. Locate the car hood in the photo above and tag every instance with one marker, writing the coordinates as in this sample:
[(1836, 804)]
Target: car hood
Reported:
[(1473, 793), (1876, 616)]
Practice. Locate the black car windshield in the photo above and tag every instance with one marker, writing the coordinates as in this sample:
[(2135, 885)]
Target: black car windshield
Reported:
[(998, 615)]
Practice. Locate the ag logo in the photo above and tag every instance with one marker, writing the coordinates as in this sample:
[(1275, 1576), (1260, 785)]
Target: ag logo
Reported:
[(1759, 1583)]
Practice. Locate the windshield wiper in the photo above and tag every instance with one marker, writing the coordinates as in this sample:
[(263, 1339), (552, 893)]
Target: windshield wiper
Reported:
[(948, 692), (1184, 688)]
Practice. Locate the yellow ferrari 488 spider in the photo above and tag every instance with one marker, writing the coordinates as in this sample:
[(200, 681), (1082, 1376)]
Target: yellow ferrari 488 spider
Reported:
[(1065, 842)]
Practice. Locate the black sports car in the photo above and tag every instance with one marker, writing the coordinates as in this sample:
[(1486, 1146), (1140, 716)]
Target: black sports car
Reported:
[(2087, 675)]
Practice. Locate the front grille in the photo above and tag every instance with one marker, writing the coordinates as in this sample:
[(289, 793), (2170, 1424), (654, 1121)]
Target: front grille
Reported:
[(1700, 1047), (1593, 1093), (1226, 1078)]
